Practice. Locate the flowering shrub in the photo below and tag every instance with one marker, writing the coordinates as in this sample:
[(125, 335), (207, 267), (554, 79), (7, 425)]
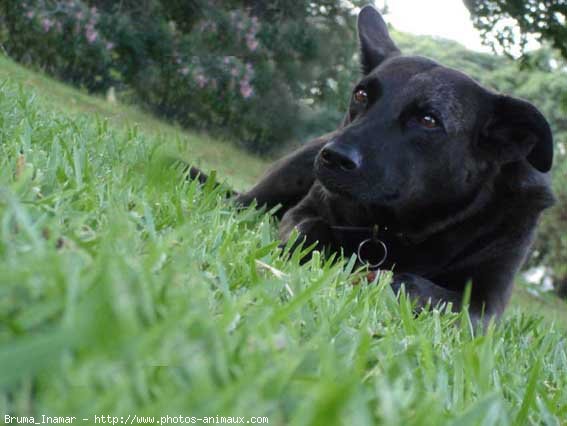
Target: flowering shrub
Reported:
[(230, 68), (62, 38)]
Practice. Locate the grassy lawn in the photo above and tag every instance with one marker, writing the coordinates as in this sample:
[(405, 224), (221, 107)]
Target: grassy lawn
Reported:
[(125, 291), (240, 169)]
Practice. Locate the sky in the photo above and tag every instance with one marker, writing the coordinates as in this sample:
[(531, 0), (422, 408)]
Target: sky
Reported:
[(443, 18)]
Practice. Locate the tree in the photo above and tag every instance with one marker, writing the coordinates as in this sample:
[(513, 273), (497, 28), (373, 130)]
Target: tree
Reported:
[(509, 23)]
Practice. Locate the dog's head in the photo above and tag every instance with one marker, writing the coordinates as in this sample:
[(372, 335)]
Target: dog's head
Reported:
[(418, 133)]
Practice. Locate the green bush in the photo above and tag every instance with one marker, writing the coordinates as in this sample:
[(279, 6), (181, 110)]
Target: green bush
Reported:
[(551, 244), (234, 68)]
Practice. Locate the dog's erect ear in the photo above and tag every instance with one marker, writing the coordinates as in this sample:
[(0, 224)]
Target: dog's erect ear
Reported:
[(518, 130), (375, 42)]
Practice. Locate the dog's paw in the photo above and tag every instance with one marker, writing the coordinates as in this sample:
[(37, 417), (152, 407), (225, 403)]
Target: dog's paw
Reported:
[(311, 232), (314, 230), (407, 280)]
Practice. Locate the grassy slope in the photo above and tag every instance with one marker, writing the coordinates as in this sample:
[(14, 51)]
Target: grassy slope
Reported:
[(241, 169), (125, 291)]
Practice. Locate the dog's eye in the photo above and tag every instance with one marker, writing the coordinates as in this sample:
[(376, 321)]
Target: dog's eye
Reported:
[(360, 96), (428, 121)]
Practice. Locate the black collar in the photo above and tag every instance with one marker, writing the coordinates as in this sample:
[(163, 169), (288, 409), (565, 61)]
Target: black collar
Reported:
[(374, 232)]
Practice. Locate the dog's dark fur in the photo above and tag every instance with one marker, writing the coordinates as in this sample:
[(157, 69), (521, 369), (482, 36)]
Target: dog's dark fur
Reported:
[(454, 175)]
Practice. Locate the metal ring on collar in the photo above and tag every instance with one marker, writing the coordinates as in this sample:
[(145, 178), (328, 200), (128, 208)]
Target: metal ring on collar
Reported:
[(381, 261)]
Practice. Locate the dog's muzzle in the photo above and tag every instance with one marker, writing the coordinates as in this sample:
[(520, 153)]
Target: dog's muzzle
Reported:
[(337, 156)]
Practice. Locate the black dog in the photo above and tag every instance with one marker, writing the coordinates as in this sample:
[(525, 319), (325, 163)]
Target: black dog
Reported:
[(445, 177)]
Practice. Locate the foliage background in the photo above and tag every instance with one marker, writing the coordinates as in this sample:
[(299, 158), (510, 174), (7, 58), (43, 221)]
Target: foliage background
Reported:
[(507, 25)]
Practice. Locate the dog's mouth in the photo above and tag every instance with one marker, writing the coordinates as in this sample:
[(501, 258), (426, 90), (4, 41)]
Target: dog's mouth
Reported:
[(360, 193), (337, 190), (332, 183)]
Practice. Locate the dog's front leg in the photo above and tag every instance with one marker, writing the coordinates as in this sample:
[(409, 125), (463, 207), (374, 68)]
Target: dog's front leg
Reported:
[(311, 229), (426, 293), (311, 224)]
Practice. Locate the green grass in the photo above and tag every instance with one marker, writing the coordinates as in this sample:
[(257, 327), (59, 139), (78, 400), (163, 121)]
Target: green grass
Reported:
[(126, 291), (547, 305), (239, 168)]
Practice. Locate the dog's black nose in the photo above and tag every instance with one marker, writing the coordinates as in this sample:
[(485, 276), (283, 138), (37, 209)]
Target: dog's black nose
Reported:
[(345, 157)]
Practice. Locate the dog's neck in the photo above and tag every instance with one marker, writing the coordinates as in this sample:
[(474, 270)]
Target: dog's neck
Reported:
[(409, 229), (416, 234)]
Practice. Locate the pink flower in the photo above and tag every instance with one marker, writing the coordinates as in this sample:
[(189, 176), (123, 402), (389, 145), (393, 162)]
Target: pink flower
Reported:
[(251, 42), (234, 72), (245, 89), (226, 60), (30, 14), (80, 16), (184, 71), (109, 45), (46, 24), (201, 80), (249, 70), (91, 34)]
